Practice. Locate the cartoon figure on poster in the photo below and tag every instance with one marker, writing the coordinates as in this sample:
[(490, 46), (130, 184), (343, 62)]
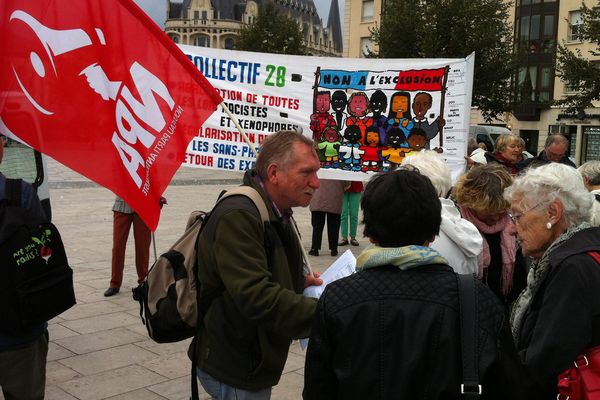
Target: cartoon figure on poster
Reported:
[(378, 104), (373, 140), (417, 140), (339, 101), (358, 108), (421, 104), (399, 115), (395, 150), (330, 145), (321, 119), (371, 158), (350, 152)]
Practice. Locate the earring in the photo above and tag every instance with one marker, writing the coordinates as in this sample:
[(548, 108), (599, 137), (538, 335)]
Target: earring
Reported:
[(548, 226)]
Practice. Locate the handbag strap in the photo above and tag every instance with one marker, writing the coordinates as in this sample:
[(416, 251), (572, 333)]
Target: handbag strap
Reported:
[(468, 300)]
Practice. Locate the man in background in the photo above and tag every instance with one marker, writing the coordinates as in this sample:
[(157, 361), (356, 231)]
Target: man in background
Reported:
[(555, 150)]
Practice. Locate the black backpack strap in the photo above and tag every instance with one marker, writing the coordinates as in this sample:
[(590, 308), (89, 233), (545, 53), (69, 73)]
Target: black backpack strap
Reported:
[(13, 192), (467, 294)]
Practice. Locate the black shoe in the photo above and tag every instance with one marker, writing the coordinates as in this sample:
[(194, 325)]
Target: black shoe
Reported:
[(137, 292), (334, 253), (354, 242), (313, 252), (343, 242), (111, 291)]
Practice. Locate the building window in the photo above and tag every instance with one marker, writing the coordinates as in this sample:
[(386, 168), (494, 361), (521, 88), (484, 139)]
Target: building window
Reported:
[(201, 41), (175, 38), (575, 24), (229, 43), (591, 143), (204, 14), (196, 14), (367, 10), (366, 46)]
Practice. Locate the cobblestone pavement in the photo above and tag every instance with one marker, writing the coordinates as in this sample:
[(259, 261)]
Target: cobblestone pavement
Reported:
[(99, 349)]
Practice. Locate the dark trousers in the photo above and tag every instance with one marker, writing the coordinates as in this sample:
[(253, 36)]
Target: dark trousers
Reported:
[(333, 229), (142, 236), (23, 371)]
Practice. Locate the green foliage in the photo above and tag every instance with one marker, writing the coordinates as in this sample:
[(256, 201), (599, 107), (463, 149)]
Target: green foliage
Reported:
[(454, 29), (578, 72), (272, 32)]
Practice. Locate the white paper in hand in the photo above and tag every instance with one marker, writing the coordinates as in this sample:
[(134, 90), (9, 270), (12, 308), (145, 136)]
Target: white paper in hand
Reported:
[(344, 266)]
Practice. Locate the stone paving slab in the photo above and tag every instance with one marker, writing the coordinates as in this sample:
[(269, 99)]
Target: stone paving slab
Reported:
[(110, 383), (107, 359)]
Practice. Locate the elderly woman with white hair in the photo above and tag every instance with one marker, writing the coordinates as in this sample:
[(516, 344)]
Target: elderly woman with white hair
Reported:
[(458, 240), (557, 316), (590, 171)]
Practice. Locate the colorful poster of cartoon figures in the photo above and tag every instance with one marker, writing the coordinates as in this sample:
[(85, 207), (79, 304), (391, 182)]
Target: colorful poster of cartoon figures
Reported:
[(370, 120), (364, 115)]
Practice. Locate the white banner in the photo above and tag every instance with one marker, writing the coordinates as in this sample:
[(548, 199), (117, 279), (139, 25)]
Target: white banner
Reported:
[(365, 114)]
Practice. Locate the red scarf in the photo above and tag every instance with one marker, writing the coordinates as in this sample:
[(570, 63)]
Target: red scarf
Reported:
[(507, 163), (508, 245)]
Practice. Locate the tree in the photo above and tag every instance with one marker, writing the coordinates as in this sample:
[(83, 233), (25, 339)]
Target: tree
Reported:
[(454, 29), (576, 70), (272, 32)]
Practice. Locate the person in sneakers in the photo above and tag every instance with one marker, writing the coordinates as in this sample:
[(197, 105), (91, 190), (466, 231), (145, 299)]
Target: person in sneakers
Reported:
[(351, 204)]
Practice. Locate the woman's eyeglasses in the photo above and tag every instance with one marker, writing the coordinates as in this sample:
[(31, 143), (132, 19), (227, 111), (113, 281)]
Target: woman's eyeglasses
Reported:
[(516, 217)]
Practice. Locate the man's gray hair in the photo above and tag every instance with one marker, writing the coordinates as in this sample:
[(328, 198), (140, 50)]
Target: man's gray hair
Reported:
[(591, 171), (558, 139), (434, 167), (554, 181), (278, 149)]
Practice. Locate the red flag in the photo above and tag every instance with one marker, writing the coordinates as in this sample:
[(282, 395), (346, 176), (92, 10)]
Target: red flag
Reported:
[(421, 79), (99, 87)]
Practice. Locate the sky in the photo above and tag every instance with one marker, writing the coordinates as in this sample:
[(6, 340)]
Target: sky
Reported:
[(157, 9)]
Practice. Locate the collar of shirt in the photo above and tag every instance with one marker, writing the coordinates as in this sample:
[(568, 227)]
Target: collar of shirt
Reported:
[(284, 215)]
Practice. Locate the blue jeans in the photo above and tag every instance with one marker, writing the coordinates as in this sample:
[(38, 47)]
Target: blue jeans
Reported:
[(219, 390)]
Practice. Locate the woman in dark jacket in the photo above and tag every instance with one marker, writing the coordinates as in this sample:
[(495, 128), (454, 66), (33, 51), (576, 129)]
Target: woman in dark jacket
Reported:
[(557, 316), (508, 153), (391, 331)]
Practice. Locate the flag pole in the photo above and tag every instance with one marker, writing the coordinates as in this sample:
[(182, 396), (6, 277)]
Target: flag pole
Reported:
[(247, 140)]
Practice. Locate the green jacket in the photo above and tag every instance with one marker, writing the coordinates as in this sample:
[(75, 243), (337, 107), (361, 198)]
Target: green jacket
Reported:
[(246, 333)]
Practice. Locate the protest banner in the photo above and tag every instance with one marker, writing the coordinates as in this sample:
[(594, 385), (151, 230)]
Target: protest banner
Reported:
[(365, 114), (99, 87)]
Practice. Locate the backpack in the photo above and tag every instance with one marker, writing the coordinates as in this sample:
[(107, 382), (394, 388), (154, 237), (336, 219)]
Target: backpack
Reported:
[(168, 296), (36, 281)]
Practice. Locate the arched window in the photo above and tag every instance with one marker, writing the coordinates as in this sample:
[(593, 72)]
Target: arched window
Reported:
[(229, 43), (201, 41)]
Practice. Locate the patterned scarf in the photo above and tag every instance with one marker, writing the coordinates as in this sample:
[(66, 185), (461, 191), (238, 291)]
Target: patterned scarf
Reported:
[(508, 245), (537, 274), (406, 257)]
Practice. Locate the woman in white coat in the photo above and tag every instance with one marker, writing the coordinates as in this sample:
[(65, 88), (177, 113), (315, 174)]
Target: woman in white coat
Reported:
[(459, 240)]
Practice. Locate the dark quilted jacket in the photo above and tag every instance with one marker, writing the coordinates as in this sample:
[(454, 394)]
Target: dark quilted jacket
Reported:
[(384, 333)]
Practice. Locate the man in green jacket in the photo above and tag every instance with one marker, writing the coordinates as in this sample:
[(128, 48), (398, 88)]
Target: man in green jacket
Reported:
[(255, 274)]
